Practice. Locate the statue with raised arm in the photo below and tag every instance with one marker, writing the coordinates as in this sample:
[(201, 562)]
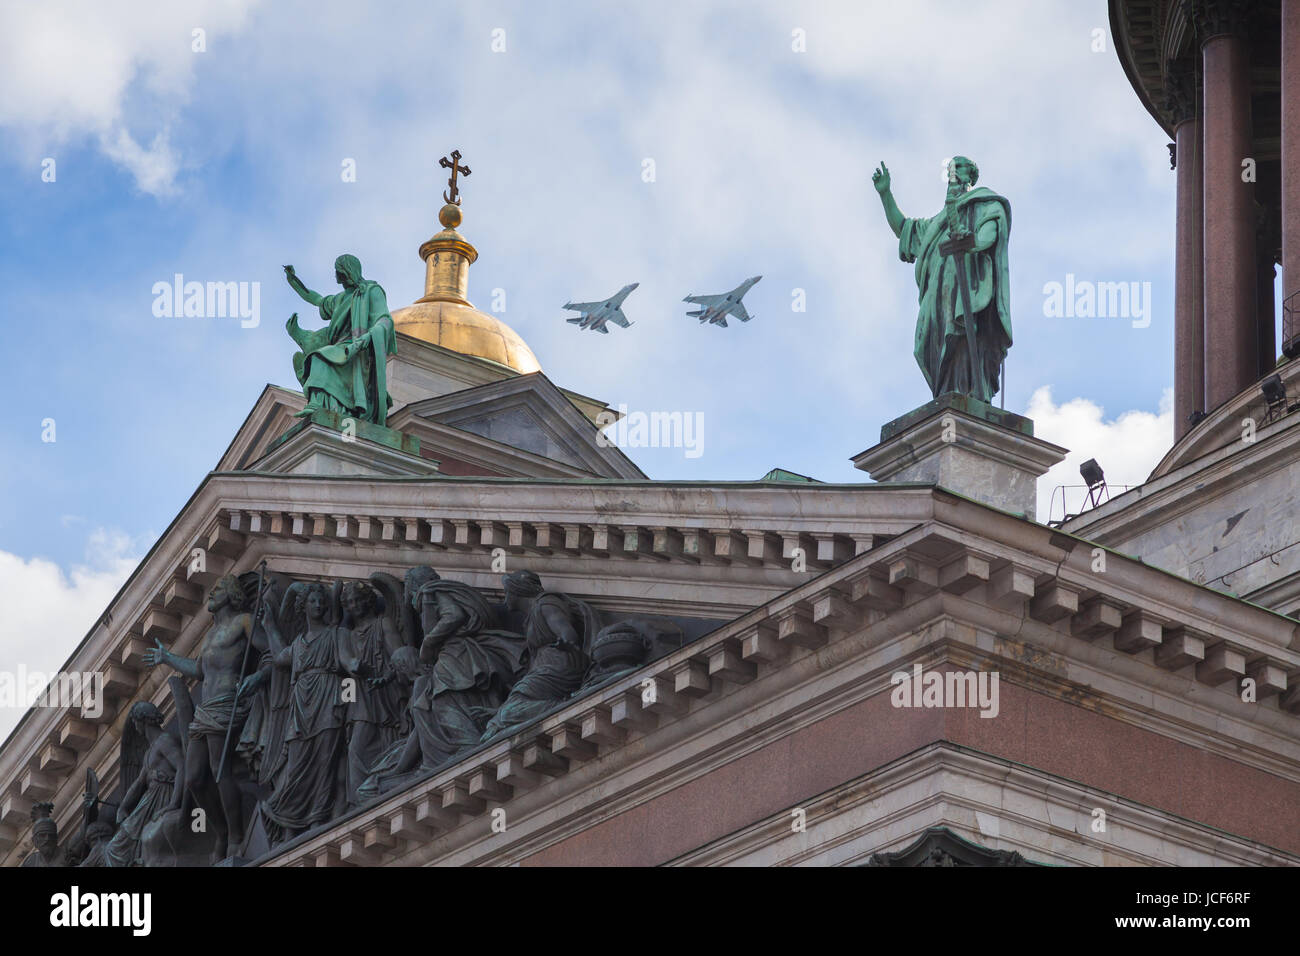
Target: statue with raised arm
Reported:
[(219, 669), (963, 328), (342, 366)]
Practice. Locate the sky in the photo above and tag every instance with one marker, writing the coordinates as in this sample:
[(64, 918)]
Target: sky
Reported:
[(681, 145)]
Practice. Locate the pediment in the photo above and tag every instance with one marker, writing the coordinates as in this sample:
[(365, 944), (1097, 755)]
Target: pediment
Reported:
[(273, 440), (309, 448), (527, 413), (521, 427), (270, 417)]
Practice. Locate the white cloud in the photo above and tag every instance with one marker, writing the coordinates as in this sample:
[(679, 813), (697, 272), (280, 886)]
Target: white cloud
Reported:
[(76, 70), (48, 612), (1127, 448), (154, 168)]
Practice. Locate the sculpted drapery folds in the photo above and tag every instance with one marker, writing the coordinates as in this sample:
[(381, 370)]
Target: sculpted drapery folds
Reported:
[(382, 682), (312, 788), (152, 759), (374, 714), (342, 367), (979, 221), (558, 630), (470, 666)]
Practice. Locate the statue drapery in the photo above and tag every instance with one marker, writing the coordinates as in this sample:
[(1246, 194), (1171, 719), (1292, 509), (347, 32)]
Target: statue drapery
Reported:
[(342, 367)]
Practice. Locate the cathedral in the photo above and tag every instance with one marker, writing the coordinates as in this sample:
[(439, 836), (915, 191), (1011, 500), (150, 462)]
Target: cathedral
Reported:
[(422, 612)]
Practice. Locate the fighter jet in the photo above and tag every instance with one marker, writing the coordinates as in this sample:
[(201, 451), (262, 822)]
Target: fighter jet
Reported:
[(596, 314), (718, 307)]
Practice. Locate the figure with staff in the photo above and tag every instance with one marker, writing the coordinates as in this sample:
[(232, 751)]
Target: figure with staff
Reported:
[(963, 325), (220, 668)]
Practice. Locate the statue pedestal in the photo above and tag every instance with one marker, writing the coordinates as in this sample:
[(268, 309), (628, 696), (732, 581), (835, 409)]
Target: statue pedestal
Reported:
[(968, 447), (327, 443)]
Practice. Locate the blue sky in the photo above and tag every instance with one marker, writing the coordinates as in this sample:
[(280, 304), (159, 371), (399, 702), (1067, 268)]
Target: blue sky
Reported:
[(225, 164)]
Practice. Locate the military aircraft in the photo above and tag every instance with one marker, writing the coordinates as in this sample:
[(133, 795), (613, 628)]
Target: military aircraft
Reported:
[(716, 308), (596, 314)]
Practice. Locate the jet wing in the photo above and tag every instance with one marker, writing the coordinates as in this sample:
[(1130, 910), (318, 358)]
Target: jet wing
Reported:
[(738, 310), (583, 306), (618, 318), (704, 300)]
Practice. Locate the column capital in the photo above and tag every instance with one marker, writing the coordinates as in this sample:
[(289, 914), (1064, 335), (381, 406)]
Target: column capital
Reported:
[(1180, 88), (1218, 18)]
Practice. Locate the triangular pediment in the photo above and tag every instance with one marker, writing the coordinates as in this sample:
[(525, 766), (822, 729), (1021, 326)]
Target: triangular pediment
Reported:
[(526, 414), (271, 416), (522, 427)]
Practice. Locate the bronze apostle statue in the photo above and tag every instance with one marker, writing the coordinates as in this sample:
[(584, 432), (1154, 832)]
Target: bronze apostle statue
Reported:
[(963, 328), (342, 367)]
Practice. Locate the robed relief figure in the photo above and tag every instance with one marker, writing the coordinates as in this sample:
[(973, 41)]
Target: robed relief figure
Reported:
[(468, 665), (312, 786), (963, 328), (151, 760), (342, 367), (558, 631), (374, 717)]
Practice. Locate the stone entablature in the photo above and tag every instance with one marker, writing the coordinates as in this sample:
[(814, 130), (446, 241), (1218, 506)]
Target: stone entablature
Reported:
[(1134, 641), (349, 527), (1132, 645)]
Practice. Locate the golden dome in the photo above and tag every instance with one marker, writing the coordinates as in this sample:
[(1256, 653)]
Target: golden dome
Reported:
[(462, 328), (444, 316)]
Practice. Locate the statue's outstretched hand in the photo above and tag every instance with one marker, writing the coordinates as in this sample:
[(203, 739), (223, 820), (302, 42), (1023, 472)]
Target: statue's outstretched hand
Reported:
[(289, 273), (155, 655), (880, 178)]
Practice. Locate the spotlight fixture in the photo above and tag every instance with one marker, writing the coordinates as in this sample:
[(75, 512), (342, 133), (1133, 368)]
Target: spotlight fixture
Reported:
[(1275, 394), (1273, 389), (1096, 481)]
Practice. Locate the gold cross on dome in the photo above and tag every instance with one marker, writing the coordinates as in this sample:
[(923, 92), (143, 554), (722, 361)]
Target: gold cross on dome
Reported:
[(454, 165)]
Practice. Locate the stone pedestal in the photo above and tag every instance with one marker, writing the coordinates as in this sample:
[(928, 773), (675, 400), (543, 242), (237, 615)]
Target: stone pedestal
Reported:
[(326, 443), (968, 447)]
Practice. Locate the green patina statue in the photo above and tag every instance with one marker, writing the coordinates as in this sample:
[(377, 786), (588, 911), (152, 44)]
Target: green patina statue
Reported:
[(342, 366), (961, 271)]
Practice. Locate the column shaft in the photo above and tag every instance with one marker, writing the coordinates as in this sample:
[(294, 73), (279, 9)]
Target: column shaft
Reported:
[(1189, 293), (1231, 331)]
